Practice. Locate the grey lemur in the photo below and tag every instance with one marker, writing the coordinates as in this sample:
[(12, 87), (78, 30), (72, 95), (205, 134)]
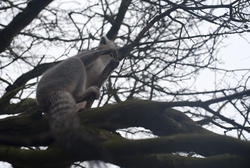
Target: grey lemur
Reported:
[(65, 88)]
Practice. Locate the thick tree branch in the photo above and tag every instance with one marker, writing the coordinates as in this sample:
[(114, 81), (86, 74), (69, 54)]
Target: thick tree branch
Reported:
[(20, 82), (152, 115), (112, 33), (155, 116), (34, 158), (24, 78), (186, 136), (175, 161), (206, 145)]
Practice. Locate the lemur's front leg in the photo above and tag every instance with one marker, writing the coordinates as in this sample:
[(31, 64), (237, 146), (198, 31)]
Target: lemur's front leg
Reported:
[(91, 93)]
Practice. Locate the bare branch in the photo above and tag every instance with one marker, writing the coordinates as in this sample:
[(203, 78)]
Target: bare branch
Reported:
[(21, 21)]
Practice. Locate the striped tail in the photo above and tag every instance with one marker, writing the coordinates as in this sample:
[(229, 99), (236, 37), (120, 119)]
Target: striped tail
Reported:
[(65, 125), (63, 119)]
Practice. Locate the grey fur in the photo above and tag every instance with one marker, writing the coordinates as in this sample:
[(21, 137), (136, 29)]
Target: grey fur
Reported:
[(64, 89)]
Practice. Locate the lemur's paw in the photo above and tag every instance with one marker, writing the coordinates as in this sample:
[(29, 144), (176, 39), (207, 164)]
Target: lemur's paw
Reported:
[(80, 106)]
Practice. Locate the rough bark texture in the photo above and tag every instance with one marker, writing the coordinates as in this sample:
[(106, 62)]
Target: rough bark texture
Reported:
[(176, 132)]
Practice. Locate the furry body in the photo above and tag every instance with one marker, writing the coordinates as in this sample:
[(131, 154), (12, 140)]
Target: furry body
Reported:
[(64, 89)]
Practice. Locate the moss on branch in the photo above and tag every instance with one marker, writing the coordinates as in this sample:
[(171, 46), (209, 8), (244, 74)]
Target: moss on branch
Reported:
[(156, 116), (34, 158), (175, 161), (206, 145), (176, 133)]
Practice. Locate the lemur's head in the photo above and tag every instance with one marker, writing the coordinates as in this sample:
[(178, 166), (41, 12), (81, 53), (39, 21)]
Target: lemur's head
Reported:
[(106, 42)]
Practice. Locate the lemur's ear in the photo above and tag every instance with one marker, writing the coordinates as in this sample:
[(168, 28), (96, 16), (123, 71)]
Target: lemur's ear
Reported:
[(103, 40)]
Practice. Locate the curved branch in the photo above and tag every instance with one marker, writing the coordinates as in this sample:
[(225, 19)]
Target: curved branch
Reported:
[(20, 82), (156, 116), (206, 145), (35, 72)]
